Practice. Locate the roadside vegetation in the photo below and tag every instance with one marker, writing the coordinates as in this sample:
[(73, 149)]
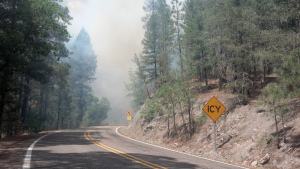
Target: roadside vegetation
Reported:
[(239, 43), (43, 84)]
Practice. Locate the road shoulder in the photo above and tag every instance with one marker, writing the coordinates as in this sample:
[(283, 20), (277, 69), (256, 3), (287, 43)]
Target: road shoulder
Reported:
[(13, 149)]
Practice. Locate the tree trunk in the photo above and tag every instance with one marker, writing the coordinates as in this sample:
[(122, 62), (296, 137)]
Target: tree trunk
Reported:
[(234, 76), (41, 101), (21, 92), (168, 125), (174, 125), (81, 106), (180, 57), (277, 131), (222, 78), (199, 73), (45, 106), (155, 74), (179, 48), (245, 87), (283, 128), (148, 93), (58, 108), (190, 118), (205, 77), (25, 100), (2, 103), (62, 123), (262, 73), (181, 112), (222, 73)]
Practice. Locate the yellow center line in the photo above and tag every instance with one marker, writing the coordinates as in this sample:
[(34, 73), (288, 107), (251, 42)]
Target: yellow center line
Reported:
[(126, 154), (120, 153)]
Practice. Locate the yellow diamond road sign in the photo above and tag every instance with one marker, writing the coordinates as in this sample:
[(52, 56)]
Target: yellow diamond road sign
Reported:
[(214, 108), (128, 117), (128, 113)]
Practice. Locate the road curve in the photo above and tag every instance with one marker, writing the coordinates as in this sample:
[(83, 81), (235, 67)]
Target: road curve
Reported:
[(102, 147)]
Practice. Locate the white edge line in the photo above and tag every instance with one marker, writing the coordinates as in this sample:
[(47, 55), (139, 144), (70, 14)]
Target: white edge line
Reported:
[(178, 151), (27, 159)]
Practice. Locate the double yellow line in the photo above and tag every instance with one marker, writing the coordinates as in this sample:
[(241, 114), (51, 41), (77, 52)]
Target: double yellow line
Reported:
[(120, 153)]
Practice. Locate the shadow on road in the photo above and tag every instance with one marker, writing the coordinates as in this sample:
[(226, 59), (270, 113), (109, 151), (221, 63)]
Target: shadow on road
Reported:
[(70, 149), (66, 137), (47, 159)]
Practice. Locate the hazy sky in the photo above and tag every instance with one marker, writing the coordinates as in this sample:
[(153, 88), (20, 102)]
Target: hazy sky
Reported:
[(116, 32)]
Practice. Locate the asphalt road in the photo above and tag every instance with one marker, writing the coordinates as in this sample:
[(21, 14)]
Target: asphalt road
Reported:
[(102, 147)]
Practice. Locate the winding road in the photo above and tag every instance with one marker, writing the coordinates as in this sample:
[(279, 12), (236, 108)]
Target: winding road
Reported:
[(104, 147)]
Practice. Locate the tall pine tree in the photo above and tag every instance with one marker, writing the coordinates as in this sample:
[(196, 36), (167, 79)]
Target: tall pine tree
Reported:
[(83, 62)]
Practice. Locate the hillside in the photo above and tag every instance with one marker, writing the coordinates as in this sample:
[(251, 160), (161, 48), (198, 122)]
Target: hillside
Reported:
[(245, 133)]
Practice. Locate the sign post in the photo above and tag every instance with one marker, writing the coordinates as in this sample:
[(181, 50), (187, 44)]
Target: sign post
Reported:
[(215, 142), (214, 109), (128, 115)]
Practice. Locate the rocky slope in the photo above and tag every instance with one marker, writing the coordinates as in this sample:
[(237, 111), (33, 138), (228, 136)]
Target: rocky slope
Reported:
[(245, 133)]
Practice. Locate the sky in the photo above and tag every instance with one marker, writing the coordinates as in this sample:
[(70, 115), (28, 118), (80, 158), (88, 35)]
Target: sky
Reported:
[(116, 31)]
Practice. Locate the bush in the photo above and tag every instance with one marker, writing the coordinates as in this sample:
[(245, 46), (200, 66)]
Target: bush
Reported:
[(150, 111), (202, 119)]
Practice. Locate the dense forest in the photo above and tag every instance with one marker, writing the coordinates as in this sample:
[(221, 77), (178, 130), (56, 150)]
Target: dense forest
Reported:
[(43, 84), (236, 42)]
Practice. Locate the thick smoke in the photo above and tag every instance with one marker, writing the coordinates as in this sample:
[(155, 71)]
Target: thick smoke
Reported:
[(116, 32)]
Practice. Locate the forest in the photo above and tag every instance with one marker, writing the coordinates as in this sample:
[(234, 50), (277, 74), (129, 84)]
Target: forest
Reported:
[(188, 44), (45, 85)]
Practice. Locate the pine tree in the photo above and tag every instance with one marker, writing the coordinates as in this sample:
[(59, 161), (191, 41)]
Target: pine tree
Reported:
[(151, 47), (272, 95), (166, 35), (140, 73), (177, 17), (29, 37), (195, 40), (136, 90), (158, 41), (84, 64), (288, 62), (63, 91)]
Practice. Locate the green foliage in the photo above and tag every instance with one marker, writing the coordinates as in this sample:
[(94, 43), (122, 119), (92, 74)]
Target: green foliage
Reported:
[(84, 64), (158, 42), (289, 73), (136, 91), (149, 58), (11, 119), (202, 119), (39, 90), (237, 42), (32, 39), (150, 110), (194, 39), (34, 122), (166, 94), (96, 113), (271, 93)]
